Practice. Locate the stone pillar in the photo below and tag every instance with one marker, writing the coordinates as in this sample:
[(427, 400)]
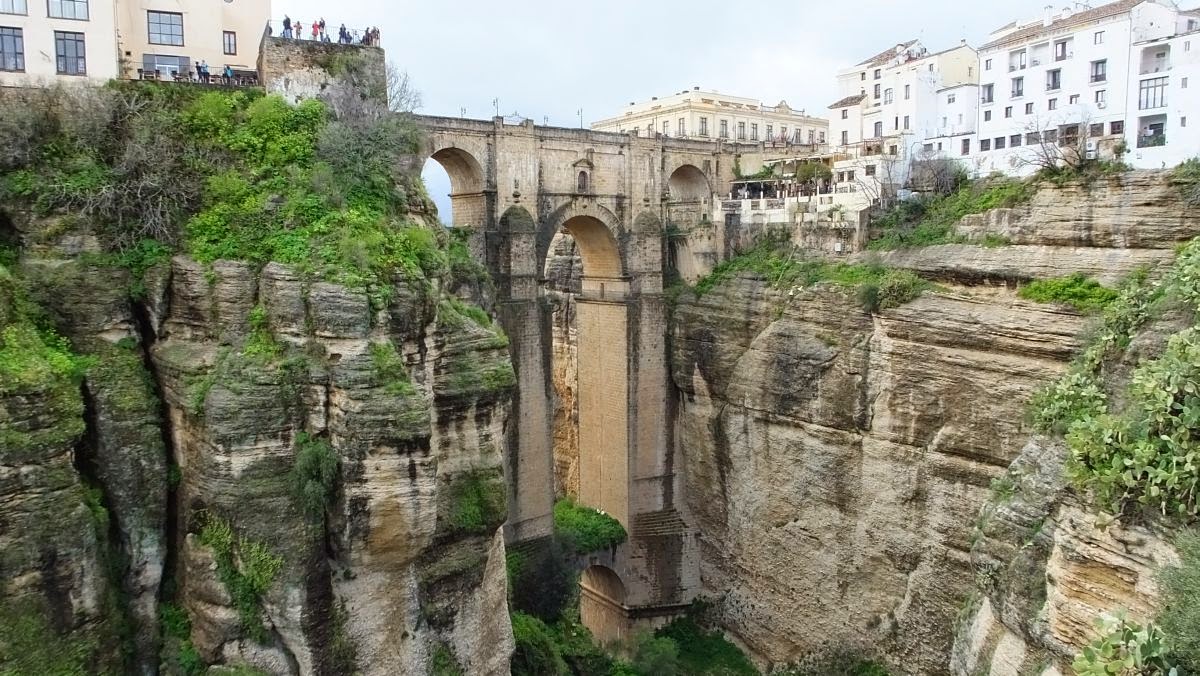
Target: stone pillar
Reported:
[(604, 405)]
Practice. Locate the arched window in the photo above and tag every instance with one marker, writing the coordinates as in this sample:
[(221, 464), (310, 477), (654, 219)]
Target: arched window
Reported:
[(582, 184)]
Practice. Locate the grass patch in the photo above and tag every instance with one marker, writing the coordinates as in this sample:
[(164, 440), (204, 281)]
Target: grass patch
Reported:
[(443, 662), (1180, 593), (478, 502), (390, 369), (931, 221), (705, 652), (314, 476), (585, 529), (30, 645), (246, 568), (1077, 290)]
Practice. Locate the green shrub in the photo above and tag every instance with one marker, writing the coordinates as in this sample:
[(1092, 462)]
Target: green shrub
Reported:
[(261, 343), (1124, 648), (537, 653), (314, 476), (1077, 290), (657, 656), (478, 503), (246, 568), (931, 221), (443, 662), (1180, 594), (542, 581), (585, 529), (705, 652), (390, 369), (1187, 177), (452, 313), (30, 645)]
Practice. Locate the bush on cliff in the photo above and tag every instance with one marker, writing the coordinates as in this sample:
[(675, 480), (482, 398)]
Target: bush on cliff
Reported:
[(1077, 290), (1180, 594), (930, 221), (585, 529)]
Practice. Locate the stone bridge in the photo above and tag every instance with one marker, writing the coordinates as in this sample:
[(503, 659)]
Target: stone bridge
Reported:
[(516, 186)]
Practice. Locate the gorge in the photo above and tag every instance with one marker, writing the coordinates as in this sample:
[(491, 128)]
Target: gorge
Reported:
[(276, 419)]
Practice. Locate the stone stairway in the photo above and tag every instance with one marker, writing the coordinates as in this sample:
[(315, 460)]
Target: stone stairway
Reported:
[(662, 523)]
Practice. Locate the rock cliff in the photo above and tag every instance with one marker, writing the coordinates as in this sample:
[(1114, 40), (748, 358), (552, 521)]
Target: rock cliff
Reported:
[(837, 461)]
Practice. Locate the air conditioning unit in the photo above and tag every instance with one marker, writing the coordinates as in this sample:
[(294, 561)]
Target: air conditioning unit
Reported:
[(1037, 62), (1101, 104)]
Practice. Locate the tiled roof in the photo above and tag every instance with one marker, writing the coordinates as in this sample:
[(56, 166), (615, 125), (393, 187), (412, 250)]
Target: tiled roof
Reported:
[(1077, 18), (848, 101), (886, 55)]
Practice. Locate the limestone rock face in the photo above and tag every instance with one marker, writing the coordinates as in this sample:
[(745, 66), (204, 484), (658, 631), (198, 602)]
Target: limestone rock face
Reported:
[(835, 460), (411, 399), (564, 273)]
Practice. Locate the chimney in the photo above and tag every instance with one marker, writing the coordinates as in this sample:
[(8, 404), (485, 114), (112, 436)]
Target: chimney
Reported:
[(653, 98), (1067, 11), (1048, 16), (695, 89)]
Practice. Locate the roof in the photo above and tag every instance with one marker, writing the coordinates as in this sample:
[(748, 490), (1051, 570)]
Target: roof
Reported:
[(848, 101), (1038, 28), (887, 54)]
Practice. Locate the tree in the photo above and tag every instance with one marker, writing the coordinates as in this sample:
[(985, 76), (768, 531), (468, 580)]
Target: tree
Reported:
[(813, 173), (403, 97), (1052, 147)]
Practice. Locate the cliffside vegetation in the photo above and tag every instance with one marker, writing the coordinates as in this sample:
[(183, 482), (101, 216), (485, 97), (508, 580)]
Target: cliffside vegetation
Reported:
[(1077, 290), (931, 220)]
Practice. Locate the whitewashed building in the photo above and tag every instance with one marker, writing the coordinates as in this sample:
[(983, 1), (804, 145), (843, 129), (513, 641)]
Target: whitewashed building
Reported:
[(1100, 78), (899, 106), (44, 41)]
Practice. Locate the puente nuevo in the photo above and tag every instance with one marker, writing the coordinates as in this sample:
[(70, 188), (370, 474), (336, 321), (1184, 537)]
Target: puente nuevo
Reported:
[(516, 186)]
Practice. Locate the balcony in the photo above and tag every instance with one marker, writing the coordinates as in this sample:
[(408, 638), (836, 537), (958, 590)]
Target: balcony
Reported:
[(1152, 141), (1099, 78)]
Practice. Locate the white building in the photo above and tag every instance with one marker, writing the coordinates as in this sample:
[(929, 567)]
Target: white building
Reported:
[(1094, 78), (169, 36), (898, 106), (711, 115), (43, 41)]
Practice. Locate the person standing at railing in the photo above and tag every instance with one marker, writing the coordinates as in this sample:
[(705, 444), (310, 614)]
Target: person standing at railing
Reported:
[(324, 35), (287, 26), (316, 31)]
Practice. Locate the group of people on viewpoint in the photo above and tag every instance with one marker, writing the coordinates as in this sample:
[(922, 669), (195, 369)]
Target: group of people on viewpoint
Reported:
[(203, 75), (317, 32)]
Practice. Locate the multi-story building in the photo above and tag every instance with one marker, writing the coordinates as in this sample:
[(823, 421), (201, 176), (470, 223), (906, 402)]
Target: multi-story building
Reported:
[(1164, 89), (897, 105), (710, 115), (170, 36), (42, 41)]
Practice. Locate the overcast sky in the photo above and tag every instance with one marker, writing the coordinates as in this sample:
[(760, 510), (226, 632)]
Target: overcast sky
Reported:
[(551, 58)]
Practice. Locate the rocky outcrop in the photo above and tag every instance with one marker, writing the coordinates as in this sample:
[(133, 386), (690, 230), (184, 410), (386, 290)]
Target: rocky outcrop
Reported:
[(564, 274), (834, 458)]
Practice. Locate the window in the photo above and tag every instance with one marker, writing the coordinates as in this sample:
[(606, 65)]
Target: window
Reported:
[(906, 121), (229, 38), (68, 9), (1052, 104), (1018, 87), (987, 116), (950, 98), (907, 92), (999, 143), (887, 95), (783, 132), (943, 120), (681, 129), (770, 131), (850, 175), (1100, 70), (985, 144), (753, 132), (1116, 127), (1029, 109), (896, 123), (724, 129), (1032, 138), (741, 126), (69, 52), (1098, 38), (1183, 121), (1053, 79), (12, 49), (877, 73), (987, 65), (1014, 141), (1100, 97), (704, 126), (845, 138), (650, 130), (864, 75), (1008, 111), (1021, 59), (1073, 99), (166, 28), (1051, 136), (1096, 129), (666, 128), (582, 182), (966, 146), (1152, 93), (870, 170), (928, 147), (820, 137), (879, 130), (845, 113), (988, 93), (1183, 83), (877, 90), (13, 7), (1060, 50), (1187, 44)]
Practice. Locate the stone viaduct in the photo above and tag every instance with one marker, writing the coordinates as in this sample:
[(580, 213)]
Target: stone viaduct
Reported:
[(514, 187)]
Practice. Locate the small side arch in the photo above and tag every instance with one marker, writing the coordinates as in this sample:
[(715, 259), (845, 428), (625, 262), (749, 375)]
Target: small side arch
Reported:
[(688, 184), (602, 604)]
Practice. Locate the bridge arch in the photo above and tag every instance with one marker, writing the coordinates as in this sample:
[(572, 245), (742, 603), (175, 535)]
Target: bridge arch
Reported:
[(467, 184), (602, 604), (688, 184)]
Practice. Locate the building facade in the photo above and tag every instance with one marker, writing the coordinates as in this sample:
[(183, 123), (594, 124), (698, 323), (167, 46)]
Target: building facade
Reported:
[(1087, 80), (43, 41), (708, 115), (171, 36), (897, 107)]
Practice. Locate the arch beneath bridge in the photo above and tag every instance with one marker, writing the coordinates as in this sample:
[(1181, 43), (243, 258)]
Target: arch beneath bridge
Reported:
[(467, 184), (602, 604), (688, 184)]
